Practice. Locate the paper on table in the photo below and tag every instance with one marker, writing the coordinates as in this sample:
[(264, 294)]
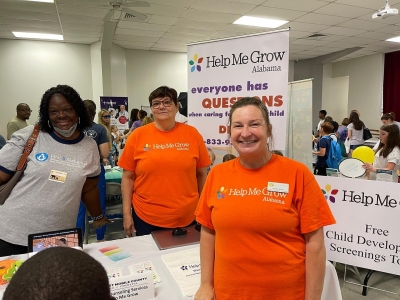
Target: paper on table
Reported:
[(114, 272), (115, 253), (185, 268), (145, 267)]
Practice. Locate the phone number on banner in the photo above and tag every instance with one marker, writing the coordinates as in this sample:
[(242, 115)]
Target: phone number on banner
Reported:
[(217, 142)]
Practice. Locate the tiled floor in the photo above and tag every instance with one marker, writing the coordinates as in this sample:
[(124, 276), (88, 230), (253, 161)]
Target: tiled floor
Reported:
[(350, 291)]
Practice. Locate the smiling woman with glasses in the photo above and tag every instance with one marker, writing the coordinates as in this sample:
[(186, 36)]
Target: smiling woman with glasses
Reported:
[(163, 147)]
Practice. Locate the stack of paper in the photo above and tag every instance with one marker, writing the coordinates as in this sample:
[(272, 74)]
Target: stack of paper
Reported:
[(145, 267), (185, 268)]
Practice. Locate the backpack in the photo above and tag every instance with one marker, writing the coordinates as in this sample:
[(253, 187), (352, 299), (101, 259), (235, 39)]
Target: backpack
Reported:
[(342, 148), (334, 155)]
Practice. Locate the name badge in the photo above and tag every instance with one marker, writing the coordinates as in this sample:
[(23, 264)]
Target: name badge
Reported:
[(57, 176), (278, 187)]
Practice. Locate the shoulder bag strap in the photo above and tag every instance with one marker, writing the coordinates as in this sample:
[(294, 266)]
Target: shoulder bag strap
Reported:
[(28, 147)]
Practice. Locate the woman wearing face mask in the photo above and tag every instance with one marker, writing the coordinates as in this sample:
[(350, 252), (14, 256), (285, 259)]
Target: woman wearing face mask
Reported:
[(104, 118), (387, 152), (62, 168)]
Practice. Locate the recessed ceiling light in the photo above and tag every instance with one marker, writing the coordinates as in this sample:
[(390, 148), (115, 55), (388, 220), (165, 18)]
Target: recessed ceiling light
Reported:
[(42, 36), (47, 1), (259, 22), (395, 39)]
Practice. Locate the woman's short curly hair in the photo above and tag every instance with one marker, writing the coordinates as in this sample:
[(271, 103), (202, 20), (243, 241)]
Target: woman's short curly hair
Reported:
[(72, 97)]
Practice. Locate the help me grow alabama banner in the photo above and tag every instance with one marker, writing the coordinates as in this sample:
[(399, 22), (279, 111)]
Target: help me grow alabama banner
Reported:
[(224, 71)]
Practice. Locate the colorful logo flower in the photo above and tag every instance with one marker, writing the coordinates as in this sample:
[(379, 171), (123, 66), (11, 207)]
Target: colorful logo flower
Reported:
[(221, 193), (146, 147), (195, 63), (328, 192)]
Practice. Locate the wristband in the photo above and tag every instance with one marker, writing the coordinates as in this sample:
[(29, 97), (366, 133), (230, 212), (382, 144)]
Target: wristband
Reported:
[(98, 217)]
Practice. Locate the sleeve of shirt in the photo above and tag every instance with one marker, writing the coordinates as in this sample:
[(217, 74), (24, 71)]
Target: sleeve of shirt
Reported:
[(204, 159), (204, 207), (11, 128), (103, 136), (11, 153), (314, 211), (394, 156), (323, 143)]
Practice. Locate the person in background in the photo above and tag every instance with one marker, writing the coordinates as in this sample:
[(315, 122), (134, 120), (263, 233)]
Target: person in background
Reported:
[(321, 115), (117, 138), (48, 194), (211, 154), (228, 157), (342, 130), (150, 201), (103, 118), (388, 119), (133, 117), (323, 147), (387, 155), (123, 113), (355, 132), (394, 118), (141, 115), (179, 117), (59, 273), (20, 121), (147, 120), (328, 119), (237, 228), (99, 134)]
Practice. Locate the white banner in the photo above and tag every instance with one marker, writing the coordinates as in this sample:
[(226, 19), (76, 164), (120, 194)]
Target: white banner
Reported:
[(223, 71), (367, 230)]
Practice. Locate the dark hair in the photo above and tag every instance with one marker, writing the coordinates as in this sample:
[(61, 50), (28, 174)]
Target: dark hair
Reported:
[(328, 119), (357, 123), (392, 141), (387, 117), (90, 109), (228, 157), (393, 115), (345, 121), (327, 127), (164, 91), (59, 272), (323, 111), (335, 125), (134, 116), (255, 102), (72, 98), (277, 152), (142, 114)]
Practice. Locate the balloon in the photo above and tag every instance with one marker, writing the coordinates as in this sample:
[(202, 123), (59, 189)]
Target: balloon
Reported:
[(364, 153)]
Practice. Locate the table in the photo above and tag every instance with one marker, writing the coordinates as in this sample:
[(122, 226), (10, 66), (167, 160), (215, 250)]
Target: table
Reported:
[(144, 248), (114, 175)]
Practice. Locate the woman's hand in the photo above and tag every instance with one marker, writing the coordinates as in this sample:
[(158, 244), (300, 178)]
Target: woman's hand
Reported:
[(205, 292), (129, 227), (369, 167), (100, 223), (105, 161)]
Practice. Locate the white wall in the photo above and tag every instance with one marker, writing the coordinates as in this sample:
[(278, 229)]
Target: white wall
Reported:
[(147, 70), (29, 68), (335, 94), (118, 71), (365, 86), (97, 74)]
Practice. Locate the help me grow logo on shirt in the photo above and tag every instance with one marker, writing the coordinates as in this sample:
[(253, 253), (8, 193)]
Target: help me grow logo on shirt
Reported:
[(265, 195)]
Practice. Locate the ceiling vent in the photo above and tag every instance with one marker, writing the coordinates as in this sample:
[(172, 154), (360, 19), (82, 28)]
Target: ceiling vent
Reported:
[(316, 36)]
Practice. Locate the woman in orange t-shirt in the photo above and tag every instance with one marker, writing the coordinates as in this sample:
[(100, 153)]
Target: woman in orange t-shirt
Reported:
[(262, 228), (165, 167)]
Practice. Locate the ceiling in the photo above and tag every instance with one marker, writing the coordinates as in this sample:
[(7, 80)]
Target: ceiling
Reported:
[(173, 23)]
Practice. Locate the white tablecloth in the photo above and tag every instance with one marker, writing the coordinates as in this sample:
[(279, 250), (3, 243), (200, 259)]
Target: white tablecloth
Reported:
[(144, 249)]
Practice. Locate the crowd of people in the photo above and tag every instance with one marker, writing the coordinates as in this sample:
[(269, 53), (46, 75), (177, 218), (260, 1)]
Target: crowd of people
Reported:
[(351, 133), (168, 187)]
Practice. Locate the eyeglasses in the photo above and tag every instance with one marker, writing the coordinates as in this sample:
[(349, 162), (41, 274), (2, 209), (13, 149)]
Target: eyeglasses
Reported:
[(106, 117), (167, 102)]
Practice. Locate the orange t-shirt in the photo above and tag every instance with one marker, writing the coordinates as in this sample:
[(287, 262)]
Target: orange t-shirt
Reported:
[(259, 243), (165, 189)]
